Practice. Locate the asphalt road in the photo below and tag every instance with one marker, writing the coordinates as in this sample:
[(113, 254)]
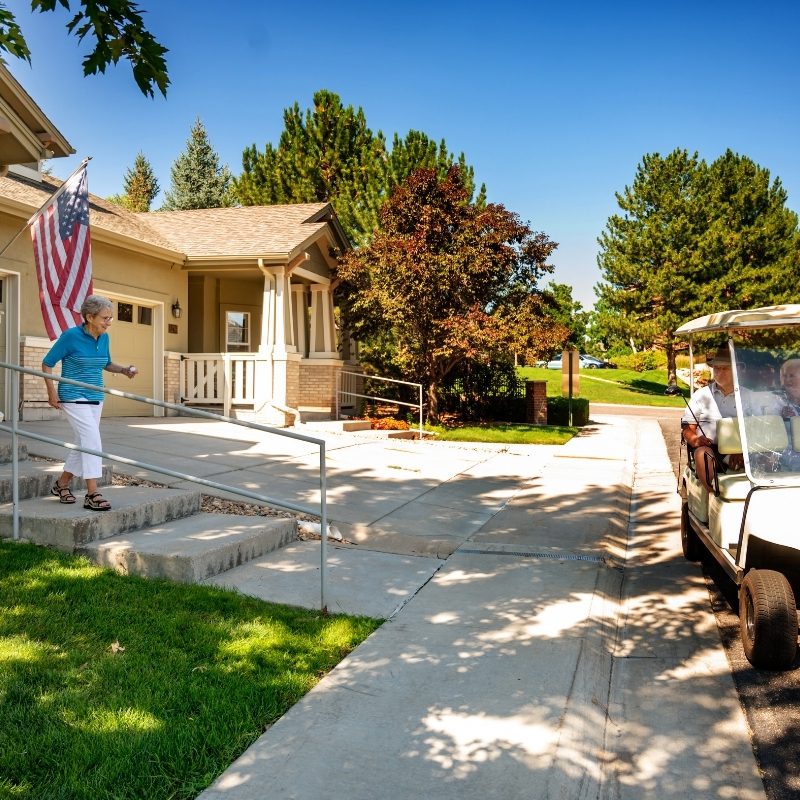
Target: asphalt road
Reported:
[(771, 700)]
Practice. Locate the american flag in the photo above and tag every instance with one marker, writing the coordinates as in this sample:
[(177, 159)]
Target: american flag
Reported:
[(63, 254)]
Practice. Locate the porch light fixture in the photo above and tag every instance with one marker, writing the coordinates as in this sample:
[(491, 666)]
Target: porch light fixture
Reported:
[(176, 309)]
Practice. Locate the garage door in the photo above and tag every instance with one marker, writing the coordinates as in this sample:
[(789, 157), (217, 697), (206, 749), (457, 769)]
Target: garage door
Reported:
[(131, 343)]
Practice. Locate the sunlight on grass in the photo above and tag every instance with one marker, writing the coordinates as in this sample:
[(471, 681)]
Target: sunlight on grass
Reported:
[(116, 686), (615, 386), (505, 433)]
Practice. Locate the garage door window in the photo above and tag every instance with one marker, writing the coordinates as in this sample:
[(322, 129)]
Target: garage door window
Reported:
[(237, 325)]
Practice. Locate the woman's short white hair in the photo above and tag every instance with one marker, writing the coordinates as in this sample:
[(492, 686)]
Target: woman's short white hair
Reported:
[(94, 304)]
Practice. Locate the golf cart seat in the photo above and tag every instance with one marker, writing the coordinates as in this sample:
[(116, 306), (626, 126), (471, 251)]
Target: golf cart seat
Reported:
[(765, 434)]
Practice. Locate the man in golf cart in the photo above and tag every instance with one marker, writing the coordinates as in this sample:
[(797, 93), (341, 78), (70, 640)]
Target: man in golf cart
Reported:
[(699, 421)]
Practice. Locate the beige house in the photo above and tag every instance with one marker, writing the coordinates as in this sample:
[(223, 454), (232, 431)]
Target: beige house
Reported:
[(229, 307)]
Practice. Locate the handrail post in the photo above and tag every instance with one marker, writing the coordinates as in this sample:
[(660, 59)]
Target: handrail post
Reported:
[(14, 386), (196, 412), (323, 530), (420, 412)]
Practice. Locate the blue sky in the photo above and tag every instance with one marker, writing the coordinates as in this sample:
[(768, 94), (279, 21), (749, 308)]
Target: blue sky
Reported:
[(554, 104)]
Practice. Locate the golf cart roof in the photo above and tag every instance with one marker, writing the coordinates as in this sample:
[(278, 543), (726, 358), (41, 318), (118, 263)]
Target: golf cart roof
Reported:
[(766, 317)]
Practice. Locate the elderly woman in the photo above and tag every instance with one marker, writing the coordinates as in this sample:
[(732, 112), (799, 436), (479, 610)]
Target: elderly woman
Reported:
[(84, 353)]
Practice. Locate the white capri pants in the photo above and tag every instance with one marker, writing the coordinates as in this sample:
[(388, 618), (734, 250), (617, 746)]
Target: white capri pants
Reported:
[(85, 423)]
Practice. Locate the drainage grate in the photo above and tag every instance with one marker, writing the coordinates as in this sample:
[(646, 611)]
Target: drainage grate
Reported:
[(526, 554)]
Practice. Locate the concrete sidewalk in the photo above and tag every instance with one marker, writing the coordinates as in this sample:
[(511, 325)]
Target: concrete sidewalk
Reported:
[(548, 640)]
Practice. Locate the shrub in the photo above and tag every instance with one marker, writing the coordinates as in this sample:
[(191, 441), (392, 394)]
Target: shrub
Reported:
[(558, 411), (643, 361)]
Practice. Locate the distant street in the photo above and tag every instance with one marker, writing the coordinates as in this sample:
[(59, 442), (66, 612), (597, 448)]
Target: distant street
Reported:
[(771, 700)]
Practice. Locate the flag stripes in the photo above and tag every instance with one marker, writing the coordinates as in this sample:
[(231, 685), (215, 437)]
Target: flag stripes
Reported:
[(62, 254)]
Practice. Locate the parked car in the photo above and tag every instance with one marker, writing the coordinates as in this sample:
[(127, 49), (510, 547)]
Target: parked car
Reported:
[(748, 523), (584, 361), (592, 362)]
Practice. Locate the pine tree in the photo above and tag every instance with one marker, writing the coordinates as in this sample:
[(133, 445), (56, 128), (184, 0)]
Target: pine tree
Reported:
[(198, 180), (141, 186), (693, 237), (329, 154), (418, 151)]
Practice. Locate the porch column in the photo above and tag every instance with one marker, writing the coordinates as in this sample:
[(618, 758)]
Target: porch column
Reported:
[(283, 333), (323, 329), (300, 312)]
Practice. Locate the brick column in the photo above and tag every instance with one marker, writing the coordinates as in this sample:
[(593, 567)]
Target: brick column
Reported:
[(536, 402)]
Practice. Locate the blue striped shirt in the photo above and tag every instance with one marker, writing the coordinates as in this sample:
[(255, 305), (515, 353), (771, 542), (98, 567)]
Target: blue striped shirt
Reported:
[(82, 358)]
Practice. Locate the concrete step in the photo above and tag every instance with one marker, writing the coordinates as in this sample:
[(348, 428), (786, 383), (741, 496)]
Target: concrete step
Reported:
[(67, 527), (6, 452), (192, 548), (36, 478)]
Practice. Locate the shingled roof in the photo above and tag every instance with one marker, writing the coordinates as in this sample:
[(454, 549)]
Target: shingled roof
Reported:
[(248, 231), (31, 194), (245, 232)]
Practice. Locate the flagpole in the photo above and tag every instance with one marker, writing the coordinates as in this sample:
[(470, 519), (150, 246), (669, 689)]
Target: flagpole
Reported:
[(49, 200)]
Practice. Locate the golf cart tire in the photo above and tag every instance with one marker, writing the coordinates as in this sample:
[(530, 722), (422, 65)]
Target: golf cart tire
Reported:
[(690, 542), (768, 619)]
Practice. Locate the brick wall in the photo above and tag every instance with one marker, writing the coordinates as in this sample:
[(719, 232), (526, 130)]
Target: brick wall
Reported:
[(32, 391), (536, 402), (292, 383), (172, 380), (317, 383)]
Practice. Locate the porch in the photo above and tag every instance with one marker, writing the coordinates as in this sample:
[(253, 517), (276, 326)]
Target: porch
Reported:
[(241, 385)]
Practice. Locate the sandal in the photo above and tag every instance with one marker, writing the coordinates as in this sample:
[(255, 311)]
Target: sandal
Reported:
[(63, 494), (96, 502)]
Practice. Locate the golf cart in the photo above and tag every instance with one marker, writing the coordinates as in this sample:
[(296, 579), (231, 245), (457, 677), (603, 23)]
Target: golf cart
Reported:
[(750, 522)]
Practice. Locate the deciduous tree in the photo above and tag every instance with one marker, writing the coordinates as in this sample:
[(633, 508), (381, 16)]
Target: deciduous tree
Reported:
[(439, 273), (115, 26), (198, 179)]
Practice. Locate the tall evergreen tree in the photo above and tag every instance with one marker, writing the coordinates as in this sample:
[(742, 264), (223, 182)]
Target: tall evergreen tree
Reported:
[(329, 154), (198, 179), (752, 236), (417, 151), (692, 238), (141, 186)]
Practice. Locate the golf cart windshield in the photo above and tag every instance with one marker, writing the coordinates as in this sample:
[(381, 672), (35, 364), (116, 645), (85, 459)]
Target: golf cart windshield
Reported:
[(765, 348), (767, 386)]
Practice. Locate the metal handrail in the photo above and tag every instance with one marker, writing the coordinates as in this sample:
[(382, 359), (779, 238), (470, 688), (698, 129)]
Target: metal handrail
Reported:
[(196, 412), (340, 391)]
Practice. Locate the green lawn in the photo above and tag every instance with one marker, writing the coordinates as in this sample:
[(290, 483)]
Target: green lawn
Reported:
[(616, 386), (119, 687), (505, 433)]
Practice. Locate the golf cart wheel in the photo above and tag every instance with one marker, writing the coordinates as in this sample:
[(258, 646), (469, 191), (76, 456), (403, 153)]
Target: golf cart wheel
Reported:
[(768, 619), (690, 543)]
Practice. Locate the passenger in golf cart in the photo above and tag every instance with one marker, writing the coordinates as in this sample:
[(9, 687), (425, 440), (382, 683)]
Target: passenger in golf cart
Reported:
[(699, 421)]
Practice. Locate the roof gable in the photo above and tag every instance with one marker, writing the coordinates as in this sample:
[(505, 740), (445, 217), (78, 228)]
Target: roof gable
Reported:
[(245, 231)]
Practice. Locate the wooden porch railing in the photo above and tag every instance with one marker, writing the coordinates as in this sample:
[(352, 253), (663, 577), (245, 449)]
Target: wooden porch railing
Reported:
[(226, 379)]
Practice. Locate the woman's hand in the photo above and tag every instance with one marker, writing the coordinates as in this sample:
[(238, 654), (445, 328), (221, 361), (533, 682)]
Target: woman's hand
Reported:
[(130, 372)]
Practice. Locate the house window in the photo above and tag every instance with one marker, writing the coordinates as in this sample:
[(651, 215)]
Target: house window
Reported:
[(145, 315), (237, 326), (124, 312)]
